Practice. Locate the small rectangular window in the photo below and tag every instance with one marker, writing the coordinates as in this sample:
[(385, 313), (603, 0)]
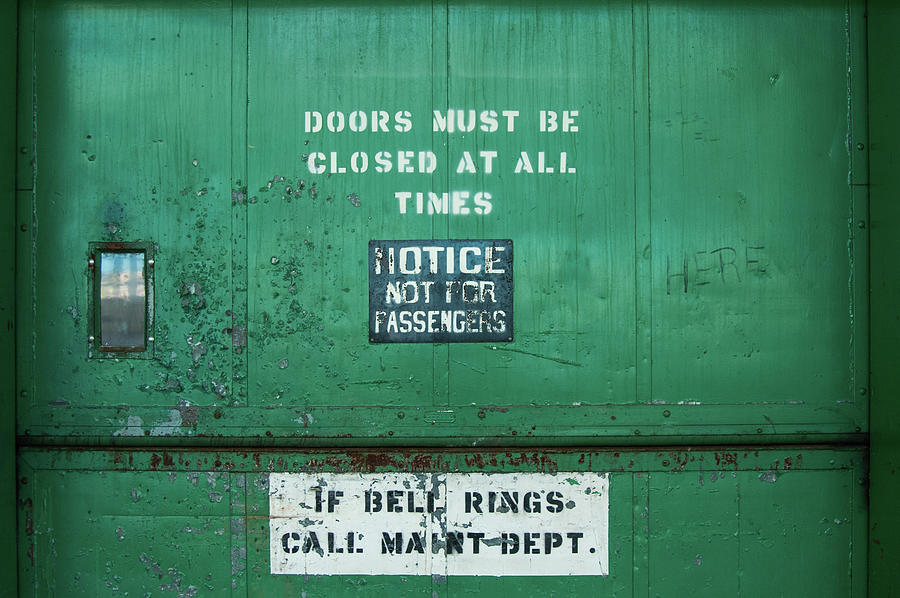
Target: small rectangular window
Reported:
[(122, 298)]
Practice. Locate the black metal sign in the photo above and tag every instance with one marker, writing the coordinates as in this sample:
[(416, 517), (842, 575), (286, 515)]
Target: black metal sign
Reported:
[(441, 291)]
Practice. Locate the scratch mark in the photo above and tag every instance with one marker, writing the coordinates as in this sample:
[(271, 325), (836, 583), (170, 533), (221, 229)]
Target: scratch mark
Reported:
[(471, 367), (538, 355)]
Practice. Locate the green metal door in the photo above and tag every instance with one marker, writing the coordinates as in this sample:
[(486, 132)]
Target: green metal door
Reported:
[(680, 191)]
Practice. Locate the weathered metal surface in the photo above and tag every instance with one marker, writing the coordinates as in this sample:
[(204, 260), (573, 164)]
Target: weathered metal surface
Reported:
[(705, 522), (131, 151), (8, 159), (441, 291), (688, 258), (686, 186), (722, 255), (884, 532)]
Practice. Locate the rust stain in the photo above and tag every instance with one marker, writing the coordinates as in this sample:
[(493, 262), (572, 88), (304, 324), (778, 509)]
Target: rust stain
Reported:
[(680, 460), (793, 462), (426, 463), (479, 461), (335, 463), (369, 462), (880, 547), (541, 463), (724, 460)]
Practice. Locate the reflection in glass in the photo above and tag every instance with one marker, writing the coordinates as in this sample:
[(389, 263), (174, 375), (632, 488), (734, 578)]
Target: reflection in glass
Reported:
[(123, 302)]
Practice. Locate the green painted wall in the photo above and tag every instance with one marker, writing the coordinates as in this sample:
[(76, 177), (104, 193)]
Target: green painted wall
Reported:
[(686, 277), (884, 535), (725, 521), (700, 278)]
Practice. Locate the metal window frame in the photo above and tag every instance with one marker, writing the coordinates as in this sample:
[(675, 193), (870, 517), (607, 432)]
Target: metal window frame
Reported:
[(95, 348)]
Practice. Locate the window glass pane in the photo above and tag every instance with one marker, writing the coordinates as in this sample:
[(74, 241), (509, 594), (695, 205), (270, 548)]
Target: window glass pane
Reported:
[(123, 302)]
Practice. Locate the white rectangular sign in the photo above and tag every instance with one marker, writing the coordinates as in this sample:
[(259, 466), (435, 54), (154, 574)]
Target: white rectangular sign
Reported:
[(444, 524)]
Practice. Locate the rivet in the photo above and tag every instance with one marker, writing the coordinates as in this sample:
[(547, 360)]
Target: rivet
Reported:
[(401, 415), (151, 262), (90, 261), (667, 413), (861, 224), (150, 339), (862, 392), (481, 415), (23, 228), (90, 339), (860, 146)]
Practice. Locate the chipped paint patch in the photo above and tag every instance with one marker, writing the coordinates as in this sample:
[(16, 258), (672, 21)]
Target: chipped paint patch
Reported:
[(169, 426), (189, 413), (305, 419), (133, 427), (770, 477)]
